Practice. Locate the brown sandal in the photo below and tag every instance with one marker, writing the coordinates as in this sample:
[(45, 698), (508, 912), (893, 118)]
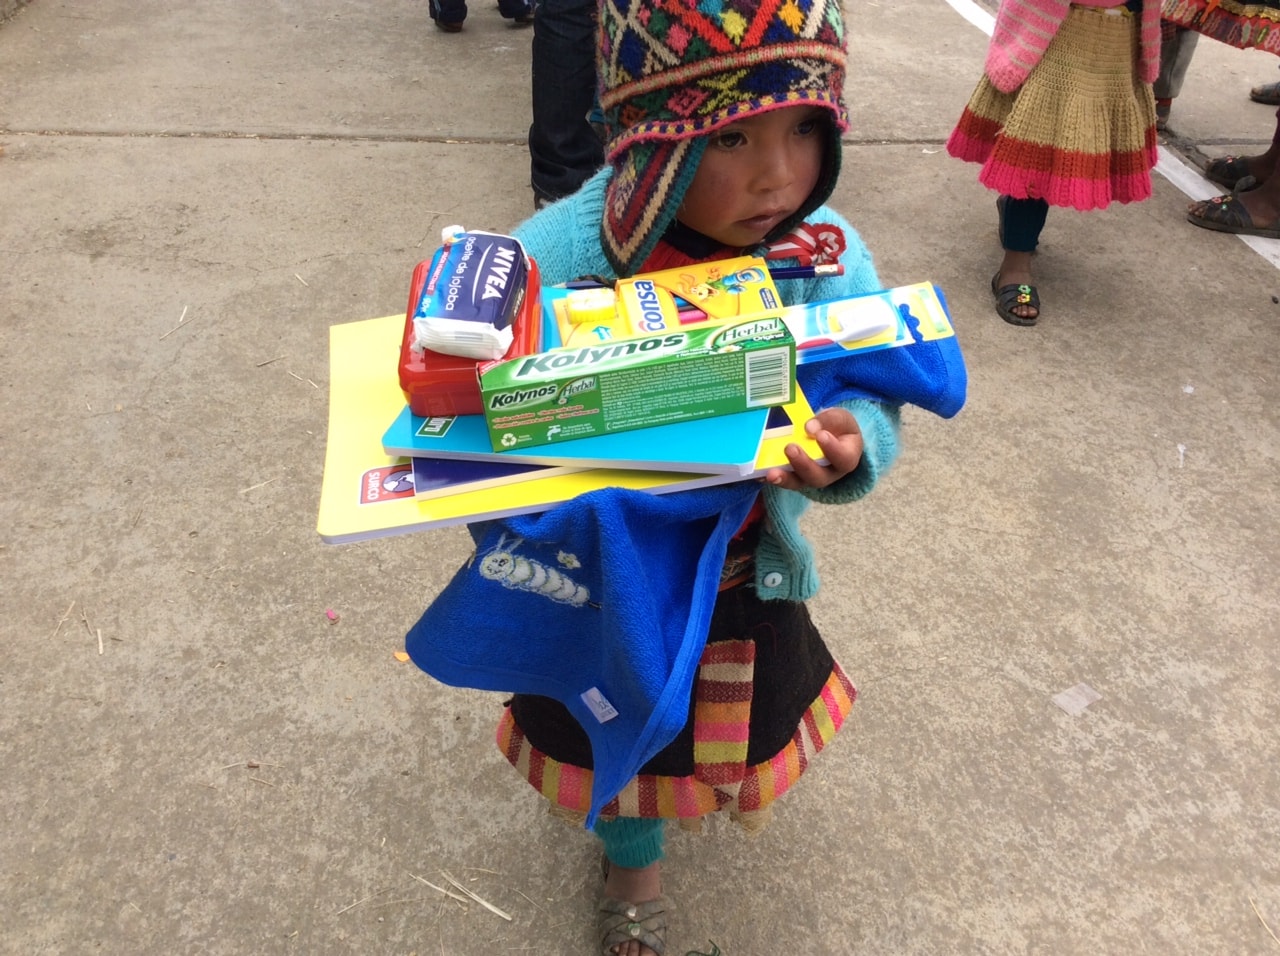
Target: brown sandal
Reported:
[(618, 921)]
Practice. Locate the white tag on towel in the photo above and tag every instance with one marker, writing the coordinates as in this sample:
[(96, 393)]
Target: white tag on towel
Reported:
[(599, 705)]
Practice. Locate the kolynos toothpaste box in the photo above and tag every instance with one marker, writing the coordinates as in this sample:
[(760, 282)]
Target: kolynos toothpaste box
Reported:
[(698, 371)]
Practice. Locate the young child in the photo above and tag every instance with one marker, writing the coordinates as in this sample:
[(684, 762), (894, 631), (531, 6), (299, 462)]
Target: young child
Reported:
[(1062, 116), (675, 671)]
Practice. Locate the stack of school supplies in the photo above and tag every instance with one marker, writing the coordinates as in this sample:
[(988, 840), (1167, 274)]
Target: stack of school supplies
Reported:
[(390, 469)]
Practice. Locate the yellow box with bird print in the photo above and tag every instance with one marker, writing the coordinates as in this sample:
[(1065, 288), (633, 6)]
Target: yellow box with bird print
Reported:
[(652, 303)]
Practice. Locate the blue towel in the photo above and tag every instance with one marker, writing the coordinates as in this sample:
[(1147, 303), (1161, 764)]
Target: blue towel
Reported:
[(602, 603)]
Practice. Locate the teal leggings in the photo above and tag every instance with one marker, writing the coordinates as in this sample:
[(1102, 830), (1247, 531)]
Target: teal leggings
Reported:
[(633, 842)]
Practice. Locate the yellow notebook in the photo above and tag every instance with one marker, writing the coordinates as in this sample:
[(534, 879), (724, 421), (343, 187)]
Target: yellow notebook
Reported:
[(368, 494)]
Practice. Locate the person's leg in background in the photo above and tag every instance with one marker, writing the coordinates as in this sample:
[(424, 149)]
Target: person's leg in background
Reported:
[(1021, 221), (1177, 46), (564, 149), (1243, 174), (521, 11), (1253, 209), (448, 14)]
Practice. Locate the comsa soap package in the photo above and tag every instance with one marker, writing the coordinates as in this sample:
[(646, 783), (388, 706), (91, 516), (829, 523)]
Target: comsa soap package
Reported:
[(474, 289)]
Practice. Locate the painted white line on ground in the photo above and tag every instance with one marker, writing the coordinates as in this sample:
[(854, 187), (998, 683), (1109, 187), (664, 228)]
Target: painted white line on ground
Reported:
[(1169, 164), (974, 14)]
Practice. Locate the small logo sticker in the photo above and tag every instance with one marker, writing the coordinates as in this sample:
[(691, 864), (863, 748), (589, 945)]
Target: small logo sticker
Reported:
[(599, 705), (435, 427), (386, 484)]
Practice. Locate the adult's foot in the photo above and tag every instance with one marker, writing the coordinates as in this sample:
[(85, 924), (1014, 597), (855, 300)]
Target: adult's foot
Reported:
[(1231, 171), (1254, 213)]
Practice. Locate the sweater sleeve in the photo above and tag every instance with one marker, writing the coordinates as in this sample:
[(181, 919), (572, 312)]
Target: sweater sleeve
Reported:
[(563, 238), (1023, 31), (879, 425)]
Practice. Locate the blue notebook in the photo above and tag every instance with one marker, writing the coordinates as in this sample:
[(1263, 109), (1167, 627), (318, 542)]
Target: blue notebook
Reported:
[(440, 477), (726, 445)]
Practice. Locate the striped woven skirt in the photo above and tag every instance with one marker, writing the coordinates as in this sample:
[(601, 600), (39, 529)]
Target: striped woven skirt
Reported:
[(1079, 132), (766, 699), (1247, 26)]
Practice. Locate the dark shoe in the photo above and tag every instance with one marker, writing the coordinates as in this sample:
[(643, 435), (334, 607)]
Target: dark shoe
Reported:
[(1268, 93), (1244, 185), (1010, 297), (1227, 170), (448, 27), (523, 16), (1227, 214)]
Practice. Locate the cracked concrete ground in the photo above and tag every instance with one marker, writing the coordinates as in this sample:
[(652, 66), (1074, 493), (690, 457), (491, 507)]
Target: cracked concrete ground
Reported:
[(193, 759)]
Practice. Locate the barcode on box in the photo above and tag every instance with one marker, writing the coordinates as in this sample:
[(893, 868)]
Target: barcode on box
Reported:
[(768, 378)]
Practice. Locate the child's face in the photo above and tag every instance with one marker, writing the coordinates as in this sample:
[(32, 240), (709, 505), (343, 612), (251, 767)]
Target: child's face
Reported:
[(755, 173)]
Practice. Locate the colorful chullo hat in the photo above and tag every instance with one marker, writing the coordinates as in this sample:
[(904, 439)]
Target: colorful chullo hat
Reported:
[(672, 71)]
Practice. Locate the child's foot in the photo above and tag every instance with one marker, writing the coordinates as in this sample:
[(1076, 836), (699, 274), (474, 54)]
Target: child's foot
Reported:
[(632, 917), (1017, 301)]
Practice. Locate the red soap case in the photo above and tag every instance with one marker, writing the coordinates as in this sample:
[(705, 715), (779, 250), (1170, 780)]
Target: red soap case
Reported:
[(438, 385)]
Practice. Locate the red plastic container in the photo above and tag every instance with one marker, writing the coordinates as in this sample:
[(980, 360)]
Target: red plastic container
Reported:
[(438, 385)]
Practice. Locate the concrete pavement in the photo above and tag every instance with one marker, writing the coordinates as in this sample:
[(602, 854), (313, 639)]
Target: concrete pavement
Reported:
[(193, 759)]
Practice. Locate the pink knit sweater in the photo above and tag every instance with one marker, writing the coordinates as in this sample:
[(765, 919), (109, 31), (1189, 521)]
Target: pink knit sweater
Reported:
[(1025, 28)]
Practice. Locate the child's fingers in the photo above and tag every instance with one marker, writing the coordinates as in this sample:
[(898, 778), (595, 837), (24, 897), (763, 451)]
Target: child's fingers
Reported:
[(838, 421), (843, 452), (806, 471), (794, 480), (836, 432)]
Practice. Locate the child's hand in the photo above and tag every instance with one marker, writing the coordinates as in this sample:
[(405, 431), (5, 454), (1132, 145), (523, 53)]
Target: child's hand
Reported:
[(836, 432)]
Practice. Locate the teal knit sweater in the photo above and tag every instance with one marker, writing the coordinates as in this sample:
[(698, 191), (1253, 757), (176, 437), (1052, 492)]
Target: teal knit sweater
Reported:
[(564, 239)]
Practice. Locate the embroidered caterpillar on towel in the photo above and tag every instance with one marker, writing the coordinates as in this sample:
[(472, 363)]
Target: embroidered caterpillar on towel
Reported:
[(515, 571)]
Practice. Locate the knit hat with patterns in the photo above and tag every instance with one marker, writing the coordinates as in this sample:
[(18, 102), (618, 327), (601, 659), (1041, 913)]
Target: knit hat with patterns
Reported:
[(673, 71)]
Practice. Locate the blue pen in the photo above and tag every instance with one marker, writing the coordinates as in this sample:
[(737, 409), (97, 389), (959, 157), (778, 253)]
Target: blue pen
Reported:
[(807, 272)]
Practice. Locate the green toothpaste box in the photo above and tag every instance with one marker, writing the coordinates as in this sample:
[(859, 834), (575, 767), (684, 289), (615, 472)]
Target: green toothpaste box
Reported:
[(622, 384)]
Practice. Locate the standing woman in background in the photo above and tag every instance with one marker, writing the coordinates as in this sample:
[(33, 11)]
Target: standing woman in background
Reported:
[(1063, 115), (1252, 208)]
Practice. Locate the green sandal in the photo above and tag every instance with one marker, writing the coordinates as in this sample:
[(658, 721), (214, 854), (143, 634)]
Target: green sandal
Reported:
[(1012, 296)]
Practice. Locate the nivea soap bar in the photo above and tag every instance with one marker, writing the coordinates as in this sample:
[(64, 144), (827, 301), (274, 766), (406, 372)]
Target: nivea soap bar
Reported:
[(476, 285)]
